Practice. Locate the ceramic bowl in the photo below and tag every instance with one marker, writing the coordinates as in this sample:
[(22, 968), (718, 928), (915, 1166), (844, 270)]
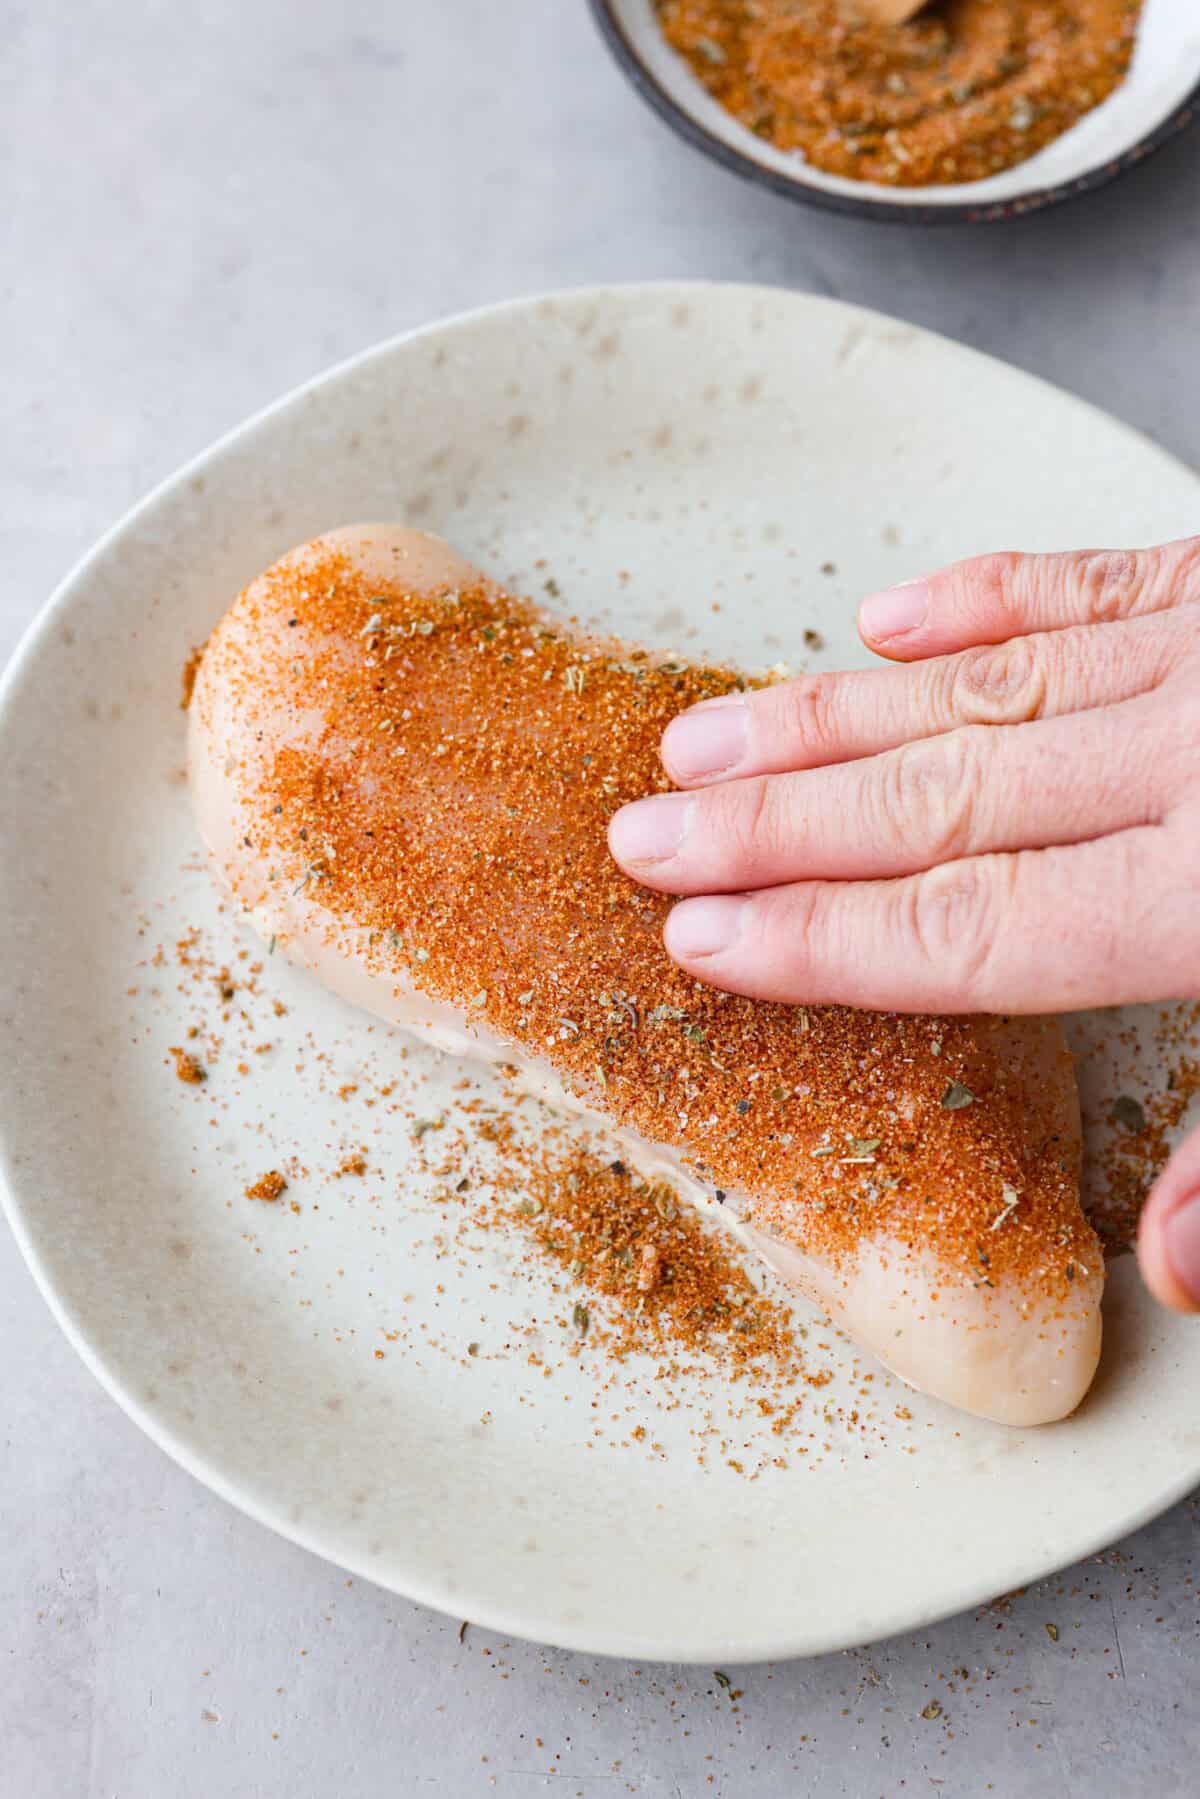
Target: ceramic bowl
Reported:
[(1159, 98)]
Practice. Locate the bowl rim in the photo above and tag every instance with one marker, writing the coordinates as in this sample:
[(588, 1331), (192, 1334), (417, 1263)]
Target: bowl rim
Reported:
[(899, 212)]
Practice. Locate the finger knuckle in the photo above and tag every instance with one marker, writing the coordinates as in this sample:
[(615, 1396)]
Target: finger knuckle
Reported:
[(785, 944), (789, 925), (1000, 684), (988, 585), (1103, 584), (951, 917), (746, 821), (807, 711), (929, 794)]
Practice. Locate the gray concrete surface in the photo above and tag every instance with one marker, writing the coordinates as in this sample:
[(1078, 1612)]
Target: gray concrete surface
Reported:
[(198, 208)]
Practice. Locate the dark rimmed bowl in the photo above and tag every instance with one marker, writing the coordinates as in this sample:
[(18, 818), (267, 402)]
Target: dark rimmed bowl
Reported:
[(1159, 98)]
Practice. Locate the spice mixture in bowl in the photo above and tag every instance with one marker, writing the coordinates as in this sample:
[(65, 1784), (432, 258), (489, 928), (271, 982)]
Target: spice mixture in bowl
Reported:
[(960, 92), (972, 108)]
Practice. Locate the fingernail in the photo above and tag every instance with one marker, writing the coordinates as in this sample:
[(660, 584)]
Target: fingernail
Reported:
[(704, 927), (706, 742), (650, 830), (1181, 1236), (895, 612)]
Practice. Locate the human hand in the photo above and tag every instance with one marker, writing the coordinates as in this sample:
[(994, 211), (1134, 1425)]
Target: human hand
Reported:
[(1011, 824)]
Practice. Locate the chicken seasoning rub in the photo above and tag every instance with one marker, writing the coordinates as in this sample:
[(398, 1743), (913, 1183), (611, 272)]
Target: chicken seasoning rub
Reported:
[(964, 90), (433, 798)]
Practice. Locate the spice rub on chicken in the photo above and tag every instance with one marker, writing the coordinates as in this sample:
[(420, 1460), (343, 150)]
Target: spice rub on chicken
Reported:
[(405, 776)]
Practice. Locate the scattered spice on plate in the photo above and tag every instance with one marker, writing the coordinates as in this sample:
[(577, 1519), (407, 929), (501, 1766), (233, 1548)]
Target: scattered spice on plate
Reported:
[(651, 1274), (494, 1179), (267, 1187), (1129, 1113), (187, 677), (962, 91), (188, 1068)]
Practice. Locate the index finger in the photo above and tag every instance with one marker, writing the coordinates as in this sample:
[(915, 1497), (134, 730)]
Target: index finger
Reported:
[(992, 598), (817, 720)]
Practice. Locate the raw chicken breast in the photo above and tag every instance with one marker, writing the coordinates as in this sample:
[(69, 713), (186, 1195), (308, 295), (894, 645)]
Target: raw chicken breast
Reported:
[(404, 775)]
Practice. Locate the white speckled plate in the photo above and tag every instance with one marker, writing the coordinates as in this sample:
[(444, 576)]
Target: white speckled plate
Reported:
[(714, 467)]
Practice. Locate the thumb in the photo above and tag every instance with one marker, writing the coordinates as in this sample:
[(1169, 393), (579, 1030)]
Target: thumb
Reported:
[(1169, 1233)]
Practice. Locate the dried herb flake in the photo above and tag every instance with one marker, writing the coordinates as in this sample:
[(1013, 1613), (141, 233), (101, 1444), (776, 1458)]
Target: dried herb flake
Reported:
[(1129, 1114), (957, 1097)]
